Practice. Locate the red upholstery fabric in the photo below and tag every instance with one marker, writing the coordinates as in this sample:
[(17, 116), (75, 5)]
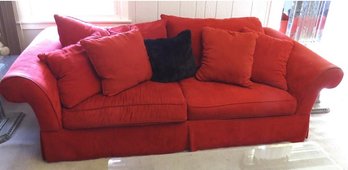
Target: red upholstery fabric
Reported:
[(210, 100), (76, 77), (146, 103), (72, 30), (269, 65), (120, 60), (307, 74), (276, 34), (118, 29), (227, 56), (207, 134), (149, 30), (152, 30), (177, 24), (68, 145), (30, 81)]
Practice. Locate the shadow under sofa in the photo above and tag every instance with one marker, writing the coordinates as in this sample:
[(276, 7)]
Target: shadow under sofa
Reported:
[(157, 118)]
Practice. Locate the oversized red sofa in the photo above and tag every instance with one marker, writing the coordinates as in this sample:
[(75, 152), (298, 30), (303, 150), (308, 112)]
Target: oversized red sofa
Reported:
[(157, 118)]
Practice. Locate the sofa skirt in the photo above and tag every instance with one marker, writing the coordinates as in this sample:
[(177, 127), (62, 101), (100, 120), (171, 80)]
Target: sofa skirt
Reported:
[(68, 145), (208, 134)]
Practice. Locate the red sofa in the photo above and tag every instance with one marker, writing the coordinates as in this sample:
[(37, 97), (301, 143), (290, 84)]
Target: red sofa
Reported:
[(157, 118)]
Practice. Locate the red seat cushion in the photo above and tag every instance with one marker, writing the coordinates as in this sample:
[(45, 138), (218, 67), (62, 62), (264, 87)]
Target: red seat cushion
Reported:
[(147, 103), (175, 25), (227, 56), (149, 30), (120, 60), (75, 75), (270, 63), (72, 30), (211, 100)]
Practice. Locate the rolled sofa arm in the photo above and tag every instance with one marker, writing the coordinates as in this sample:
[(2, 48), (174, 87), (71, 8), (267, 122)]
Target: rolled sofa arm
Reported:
[(29, 80), (307, 74)]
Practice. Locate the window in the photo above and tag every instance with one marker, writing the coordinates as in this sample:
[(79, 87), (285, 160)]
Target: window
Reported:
[(41, 11)]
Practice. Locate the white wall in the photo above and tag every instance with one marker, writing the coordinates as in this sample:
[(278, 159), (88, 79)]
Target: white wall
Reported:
[(268, 11)]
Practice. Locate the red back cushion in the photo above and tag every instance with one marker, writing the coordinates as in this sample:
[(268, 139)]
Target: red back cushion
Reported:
[(149, 30), (76, 77), (175, 25), (227, 56), (270, 60), (118, 29), (120, 60), (72, 30)]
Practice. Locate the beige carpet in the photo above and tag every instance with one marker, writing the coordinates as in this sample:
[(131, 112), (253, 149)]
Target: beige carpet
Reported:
[(22, 151)]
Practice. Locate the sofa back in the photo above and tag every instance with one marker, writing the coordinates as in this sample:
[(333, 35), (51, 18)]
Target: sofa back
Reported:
[(177, 24)]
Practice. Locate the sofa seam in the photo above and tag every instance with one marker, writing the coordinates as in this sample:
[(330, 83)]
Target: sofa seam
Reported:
[(131, 124), (65, 109), (283, 101)]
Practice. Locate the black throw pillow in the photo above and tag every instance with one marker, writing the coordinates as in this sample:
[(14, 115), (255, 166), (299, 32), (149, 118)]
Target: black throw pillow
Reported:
[(171, 58)]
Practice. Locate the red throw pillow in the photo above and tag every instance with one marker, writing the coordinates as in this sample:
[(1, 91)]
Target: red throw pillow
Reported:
[(72, 30), (270, 60), (175, 25), (149, 30), (75, 75), (120, 60), (227, 56)]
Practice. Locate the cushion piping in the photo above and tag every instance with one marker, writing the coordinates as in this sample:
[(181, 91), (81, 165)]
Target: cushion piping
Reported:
[(238, 103)]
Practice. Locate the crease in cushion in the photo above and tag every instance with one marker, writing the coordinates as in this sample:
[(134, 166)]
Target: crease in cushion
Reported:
[(213, 100), (76, 77), (147, 103), (171, 58), (149, 30), (270, 60), (120, 60), (72, 30), (177, 24), (227, 56)]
